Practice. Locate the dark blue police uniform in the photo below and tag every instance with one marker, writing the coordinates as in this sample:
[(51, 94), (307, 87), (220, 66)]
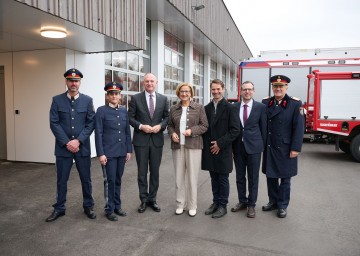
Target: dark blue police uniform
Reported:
[(113, 139), (285, 131), (72, 119)]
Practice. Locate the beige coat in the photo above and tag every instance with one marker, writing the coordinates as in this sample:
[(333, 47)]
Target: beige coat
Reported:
[(196, 120)]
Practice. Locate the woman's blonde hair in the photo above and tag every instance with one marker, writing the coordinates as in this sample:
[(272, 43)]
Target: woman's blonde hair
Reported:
[(182, 85)]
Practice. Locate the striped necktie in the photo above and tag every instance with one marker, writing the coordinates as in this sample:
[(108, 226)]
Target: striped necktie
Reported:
[(151, 105)]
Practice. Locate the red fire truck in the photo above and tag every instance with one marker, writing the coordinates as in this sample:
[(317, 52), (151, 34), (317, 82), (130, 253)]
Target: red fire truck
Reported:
[(333, 114), (333, 109)]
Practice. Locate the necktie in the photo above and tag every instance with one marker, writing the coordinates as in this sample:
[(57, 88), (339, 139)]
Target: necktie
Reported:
[(245, 115), (151, 105)]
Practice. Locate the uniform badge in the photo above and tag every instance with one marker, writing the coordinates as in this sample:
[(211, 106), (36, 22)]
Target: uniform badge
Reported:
[(301, 111), (73, 74), (114, 86), (270, 103)]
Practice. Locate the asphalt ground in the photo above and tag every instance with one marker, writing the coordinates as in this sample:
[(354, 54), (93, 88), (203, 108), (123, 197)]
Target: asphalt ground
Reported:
[(323, 215)]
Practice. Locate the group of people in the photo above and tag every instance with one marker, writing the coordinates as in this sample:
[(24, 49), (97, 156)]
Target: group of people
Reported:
[(210, 137)]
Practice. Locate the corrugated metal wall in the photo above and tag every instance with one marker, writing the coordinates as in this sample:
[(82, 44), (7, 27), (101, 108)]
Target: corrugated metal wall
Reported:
[(124, 20), (216, 23)]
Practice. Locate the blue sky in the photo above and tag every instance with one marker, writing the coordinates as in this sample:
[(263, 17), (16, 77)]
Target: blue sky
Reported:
[(289, 24)]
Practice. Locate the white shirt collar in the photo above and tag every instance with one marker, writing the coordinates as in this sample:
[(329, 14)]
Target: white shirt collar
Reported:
[(148, 94), (75, 97), (113, 106), (250, 103)]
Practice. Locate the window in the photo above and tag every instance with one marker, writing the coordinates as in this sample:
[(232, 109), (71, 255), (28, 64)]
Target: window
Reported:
[(213, 70), (198, 75), (128, 68), (174, 66)]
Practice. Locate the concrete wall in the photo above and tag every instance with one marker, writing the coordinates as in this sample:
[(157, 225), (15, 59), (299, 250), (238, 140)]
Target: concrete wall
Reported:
[(2, 115), (32, 78), (6, 61), (37, 76)]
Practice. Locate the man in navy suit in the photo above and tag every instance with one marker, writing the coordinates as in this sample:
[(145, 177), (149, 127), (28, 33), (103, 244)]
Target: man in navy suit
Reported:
[(247, 148), (72, 122), (285, 118), (113, 147), (149, 115)]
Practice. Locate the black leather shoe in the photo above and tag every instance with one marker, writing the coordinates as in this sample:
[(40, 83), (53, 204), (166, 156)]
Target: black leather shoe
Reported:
[(111, 217), (239, 207), (211, 209), (269, 207), (54, 215), (281, 213), (90, 213), (220, 212), (120, 212), (251, 212), (155, 206), (142, 207)]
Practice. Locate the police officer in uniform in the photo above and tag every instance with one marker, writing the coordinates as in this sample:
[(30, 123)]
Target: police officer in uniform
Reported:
[(284, 140), (72, 122), (113, 147)]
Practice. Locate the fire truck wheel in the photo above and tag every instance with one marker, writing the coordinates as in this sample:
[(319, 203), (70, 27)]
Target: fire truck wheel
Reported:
[(344, 146), (355, 148)]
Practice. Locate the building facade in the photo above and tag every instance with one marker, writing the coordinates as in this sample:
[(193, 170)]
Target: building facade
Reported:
[(179, 41)]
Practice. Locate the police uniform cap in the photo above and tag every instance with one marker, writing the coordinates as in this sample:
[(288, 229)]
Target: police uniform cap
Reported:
[(279, 80), (113, 86), (73, 74)]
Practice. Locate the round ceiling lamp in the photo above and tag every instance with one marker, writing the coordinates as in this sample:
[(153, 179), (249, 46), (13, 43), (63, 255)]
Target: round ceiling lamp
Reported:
[(53, 32)]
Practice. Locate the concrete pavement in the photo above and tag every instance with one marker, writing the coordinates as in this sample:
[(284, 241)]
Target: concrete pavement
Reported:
[(323, 216)]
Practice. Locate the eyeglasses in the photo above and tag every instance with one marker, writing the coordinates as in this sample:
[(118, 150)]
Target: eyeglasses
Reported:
[(247, 89), (184, 92)]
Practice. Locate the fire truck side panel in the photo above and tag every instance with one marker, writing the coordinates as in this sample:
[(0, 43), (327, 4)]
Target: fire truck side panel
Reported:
[(340, 99), (298, 85), (260, 78), (260, 72)]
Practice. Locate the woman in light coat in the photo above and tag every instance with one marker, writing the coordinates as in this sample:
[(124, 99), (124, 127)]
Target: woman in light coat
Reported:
[(187, 122)]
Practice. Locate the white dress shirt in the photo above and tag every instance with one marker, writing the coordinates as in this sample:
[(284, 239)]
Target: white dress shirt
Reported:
[(250, 104)]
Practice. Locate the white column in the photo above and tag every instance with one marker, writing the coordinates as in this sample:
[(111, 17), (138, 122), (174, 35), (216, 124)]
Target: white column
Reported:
[(219, 71), (188, 63), (206, 90), (157, 53), (227, 82)]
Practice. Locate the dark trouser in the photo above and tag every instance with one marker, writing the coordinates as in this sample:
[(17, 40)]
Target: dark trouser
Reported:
[(114, 171), (250, 163), (148, 157), (279, 193), (63, 168), (220, 188)]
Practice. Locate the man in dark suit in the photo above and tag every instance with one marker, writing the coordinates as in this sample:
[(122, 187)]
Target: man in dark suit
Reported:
[(113, 147), (149, 115), (72, 122), (247, 148), (224, 127), (284, 141)]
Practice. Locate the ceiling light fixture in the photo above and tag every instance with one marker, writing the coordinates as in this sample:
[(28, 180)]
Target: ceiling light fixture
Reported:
[(53, 32), (197, 8)]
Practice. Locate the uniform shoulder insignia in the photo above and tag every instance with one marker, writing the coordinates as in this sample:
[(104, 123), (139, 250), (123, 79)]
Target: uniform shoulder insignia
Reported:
[(266, 98), (294, 98)]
